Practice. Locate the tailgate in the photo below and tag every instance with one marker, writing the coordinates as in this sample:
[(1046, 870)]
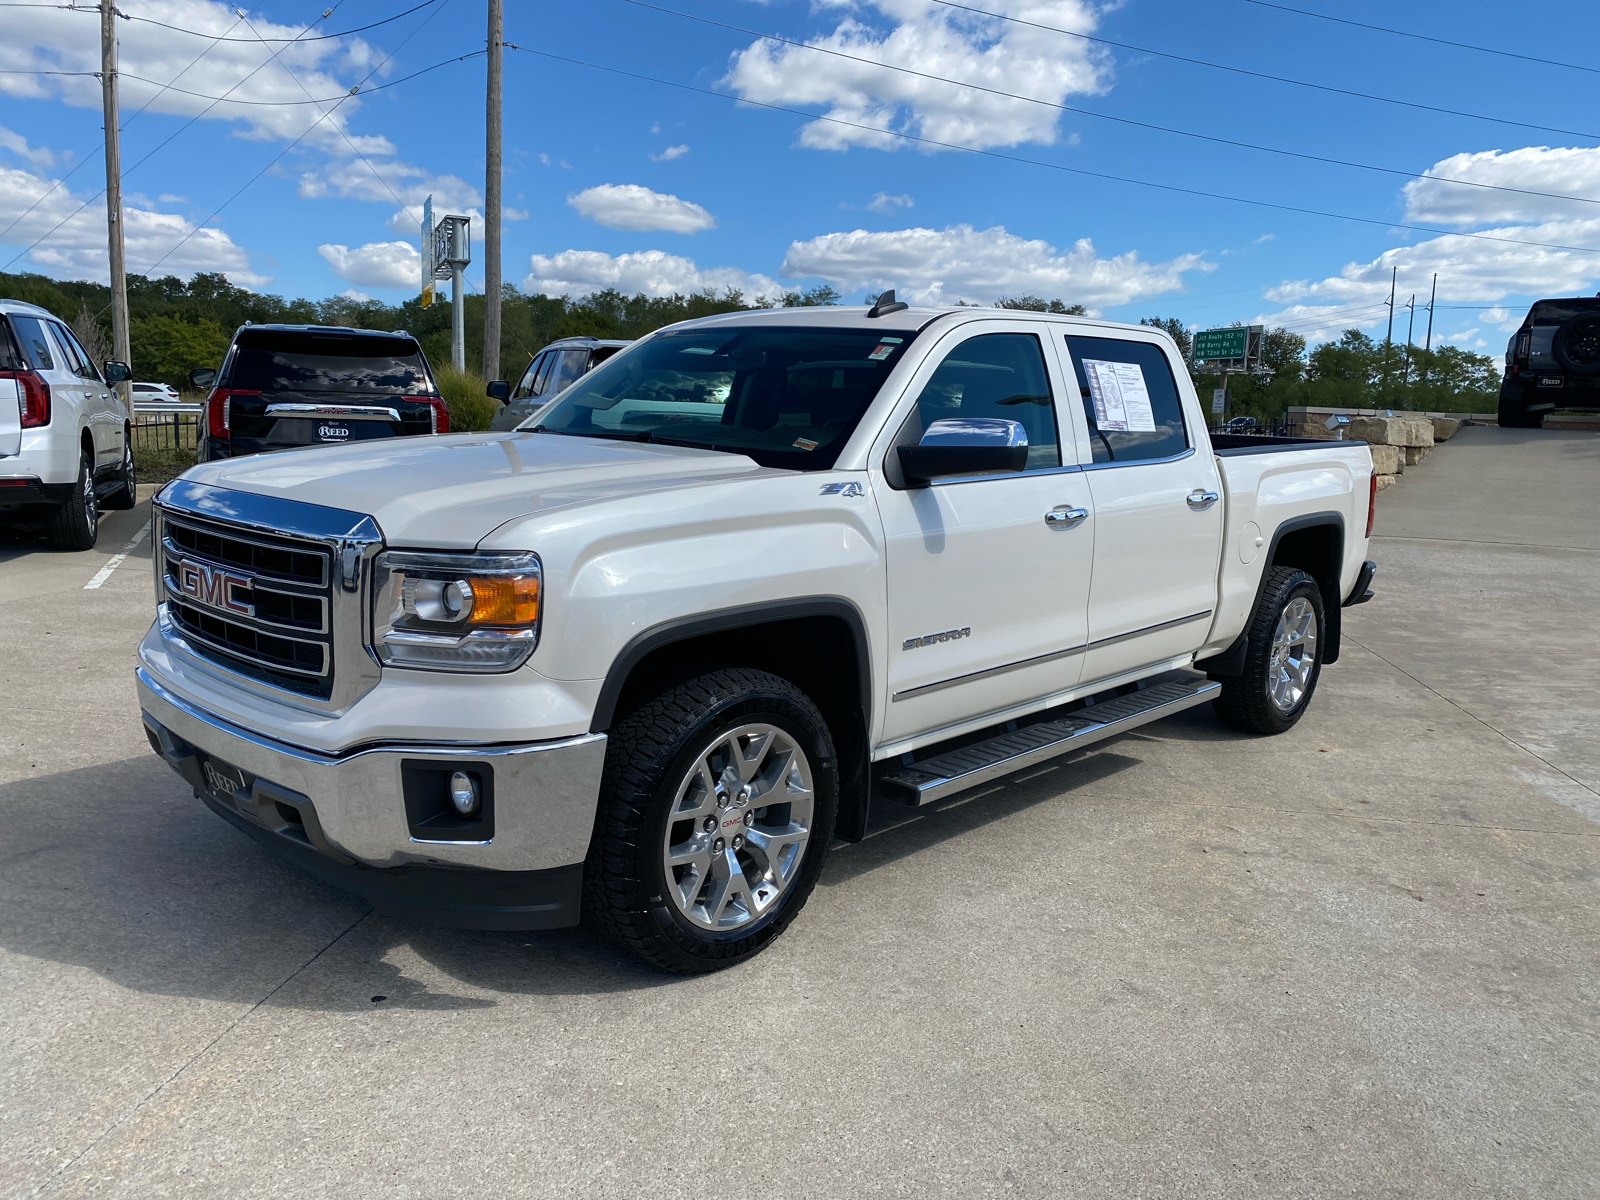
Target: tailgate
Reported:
[(293, 419), (10, 416)]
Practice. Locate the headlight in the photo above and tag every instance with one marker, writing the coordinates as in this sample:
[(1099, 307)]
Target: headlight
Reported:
[(456, 612)]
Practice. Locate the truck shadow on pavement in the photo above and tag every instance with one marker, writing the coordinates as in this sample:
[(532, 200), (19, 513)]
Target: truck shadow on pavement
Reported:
[(117, 869)]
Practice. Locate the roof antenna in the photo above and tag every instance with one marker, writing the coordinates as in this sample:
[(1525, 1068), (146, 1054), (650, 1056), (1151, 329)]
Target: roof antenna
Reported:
[(886, 304)]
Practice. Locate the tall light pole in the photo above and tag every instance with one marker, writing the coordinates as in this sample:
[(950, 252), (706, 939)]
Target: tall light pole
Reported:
[(491, 193), (119, 266)]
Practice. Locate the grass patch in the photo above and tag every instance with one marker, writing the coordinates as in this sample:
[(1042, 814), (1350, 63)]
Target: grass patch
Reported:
[(160, 466), (470, 410)]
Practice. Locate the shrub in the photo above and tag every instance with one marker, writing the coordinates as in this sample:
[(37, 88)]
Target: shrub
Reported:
[(470, 409)]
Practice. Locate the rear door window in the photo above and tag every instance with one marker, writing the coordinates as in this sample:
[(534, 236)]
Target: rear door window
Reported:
[(1130, 399), (274, 361), (78, 356), (524, 388)]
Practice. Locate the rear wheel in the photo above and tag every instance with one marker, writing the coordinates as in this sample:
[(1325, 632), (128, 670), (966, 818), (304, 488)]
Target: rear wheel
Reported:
[(1281, 664), (76, 524), (716, 810), (1512, 413)]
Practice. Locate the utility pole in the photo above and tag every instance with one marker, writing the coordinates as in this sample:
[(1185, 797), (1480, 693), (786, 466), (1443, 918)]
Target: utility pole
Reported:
[(491, 193), (1411, 326), (1388, 337), (1432, 296), (119, 277)]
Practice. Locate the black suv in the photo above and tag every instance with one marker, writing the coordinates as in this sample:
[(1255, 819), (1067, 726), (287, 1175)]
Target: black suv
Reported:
[(282, 386), (557, 365), (1553, 362)]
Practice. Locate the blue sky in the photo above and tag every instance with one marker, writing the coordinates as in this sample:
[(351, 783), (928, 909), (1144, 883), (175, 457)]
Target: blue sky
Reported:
[(613, 180)]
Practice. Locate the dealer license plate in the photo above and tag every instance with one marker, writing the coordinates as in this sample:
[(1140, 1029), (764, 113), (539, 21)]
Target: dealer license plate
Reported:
[(224, 779)]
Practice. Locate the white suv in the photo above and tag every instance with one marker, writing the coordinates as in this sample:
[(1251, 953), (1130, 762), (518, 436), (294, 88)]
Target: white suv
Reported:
[(66, 435)]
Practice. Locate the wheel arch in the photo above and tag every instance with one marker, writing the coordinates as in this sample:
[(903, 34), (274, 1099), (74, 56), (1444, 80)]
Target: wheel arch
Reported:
[(818, 643), (1314, 543)]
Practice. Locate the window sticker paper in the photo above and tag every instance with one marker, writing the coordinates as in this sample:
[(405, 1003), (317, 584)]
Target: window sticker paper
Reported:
[(1121, 399), (879, 353)]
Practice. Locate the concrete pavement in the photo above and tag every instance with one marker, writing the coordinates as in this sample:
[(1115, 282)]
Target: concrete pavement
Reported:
[(1356, 959)]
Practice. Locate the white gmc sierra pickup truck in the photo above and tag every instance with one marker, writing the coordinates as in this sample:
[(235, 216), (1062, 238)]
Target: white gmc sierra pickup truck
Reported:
[(646, 656)]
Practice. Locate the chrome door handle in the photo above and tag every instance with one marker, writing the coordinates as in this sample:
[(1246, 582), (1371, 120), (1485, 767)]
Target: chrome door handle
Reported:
[(1200, 499), (1063, 517)]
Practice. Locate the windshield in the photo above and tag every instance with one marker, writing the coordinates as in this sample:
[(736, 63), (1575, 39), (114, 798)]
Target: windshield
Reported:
[(270, 361), (785, 396)]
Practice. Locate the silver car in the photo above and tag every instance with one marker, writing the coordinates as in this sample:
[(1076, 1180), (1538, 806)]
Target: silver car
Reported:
[(552, 369)]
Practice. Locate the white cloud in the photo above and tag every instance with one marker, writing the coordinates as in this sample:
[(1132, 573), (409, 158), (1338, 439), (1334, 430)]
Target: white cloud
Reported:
[(941, 266), (945, 43), (1265, 237), (653, 272), (1471, 270), (634, 207), (262, 95), (1562, 172), (377, 264), (352, 294), (77, 250), (507, 213), (670, 153), (884, 203), (18, 145)]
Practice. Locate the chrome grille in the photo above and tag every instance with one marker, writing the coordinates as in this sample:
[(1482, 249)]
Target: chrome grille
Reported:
[(252, 602)]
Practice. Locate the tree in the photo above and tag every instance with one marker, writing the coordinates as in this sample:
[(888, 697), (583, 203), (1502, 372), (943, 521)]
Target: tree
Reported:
[(1284, 354), (1038, 304), (823, 295), (167, 349)]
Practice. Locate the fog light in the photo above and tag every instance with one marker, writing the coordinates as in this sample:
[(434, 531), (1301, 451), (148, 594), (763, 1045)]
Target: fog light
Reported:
[(464, 793)]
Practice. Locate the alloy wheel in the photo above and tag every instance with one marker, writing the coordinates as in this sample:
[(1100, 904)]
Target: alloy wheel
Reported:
[(1294, 654), (739, 826)]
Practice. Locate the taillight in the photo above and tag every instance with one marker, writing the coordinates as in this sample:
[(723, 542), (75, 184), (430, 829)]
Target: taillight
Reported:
[(1523, 348), (33, 398), (1372, 500), (219, 411), (438, 413)]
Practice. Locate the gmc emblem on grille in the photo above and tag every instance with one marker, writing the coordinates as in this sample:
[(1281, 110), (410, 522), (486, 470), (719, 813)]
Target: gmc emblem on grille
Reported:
[(214, 587)]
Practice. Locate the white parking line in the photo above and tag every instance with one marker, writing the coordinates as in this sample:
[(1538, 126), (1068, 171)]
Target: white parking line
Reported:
[(116, 560)]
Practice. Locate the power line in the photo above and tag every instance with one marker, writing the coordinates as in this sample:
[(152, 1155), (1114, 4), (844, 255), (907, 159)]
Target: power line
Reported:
[(181, 241), (1422, 37), (389, 84), (321, 37), (123, 125), (1321, 87), (1034, 162), (978, 87)]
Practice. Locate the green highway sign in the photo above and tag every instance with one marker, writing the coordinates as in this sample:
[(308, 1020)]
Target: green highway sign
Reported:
[(1221, 343)]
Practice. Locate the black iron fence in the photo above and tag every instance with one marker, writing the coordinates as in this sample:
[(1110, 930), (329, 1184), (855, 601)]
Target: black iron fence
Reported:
[(169, 428), (1257, 430)]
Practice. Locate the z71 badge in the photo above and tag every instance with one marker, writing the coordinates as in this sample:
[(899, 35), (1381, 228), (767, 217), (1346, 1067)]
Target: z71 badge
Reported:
[(933, 639)]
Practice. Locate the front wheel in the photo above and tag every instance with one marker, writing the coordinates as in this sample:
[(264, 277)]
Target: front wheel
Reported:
[(716, 809), (1281, 664), (124, 492)]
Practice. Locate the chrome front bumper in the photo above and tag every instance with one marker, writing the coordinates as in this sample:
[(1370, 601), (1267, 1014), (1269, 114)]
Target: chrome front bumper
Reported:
[(350, 809)]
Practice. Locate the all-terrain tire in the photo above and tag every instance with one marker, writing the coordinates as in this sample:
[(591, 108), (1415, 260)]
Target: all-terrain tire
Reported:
[(1247, 702), (124, 490), (75, 525), (650, 753), (1514, 416)]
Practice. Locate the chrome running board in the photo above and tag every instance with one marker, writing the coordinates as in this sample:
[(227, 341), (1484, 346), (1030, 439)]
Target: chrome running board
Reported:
[(946, 774)]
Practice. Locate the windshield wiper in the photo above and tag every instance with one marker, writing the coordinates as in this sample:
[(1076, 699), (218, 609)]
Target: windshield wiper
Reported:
[(646, 435)]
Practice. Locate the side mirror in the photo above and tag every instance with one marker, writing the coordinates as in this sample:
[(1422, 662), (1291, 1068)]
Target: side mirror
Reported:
[(499, 390), (202, 378), (965, 446), (117, 372)]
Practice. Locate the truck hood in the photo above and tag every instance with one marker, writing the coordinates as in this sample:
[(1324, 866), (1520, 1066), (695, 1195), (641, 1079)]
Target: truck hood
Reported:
[(450, 492)]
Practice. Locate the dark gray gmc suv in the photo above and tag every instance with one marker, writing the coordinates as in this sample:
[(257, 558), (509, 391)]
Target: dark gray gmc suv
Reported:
[(1552, 362), (282, 386)]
